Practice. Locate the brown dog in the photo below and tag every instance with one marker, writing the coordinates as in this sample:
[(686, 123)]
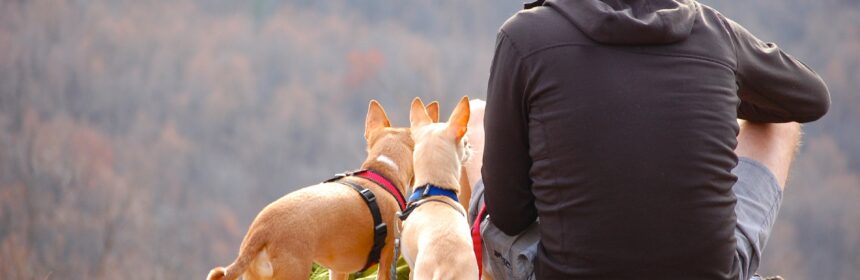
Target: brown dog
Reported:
[(328, 223), (435, 237)]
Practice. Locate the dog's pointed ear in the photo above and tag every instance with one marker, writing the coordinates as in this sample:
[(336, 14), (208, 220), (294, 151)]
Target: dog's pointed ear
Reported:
[(376, 118), (459, 120), (417, 114), (433, 111)]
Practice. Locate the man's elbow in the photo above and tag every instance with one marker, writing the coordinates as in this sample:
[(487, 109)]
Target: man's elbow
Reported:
[(818, 106), (817, 111)]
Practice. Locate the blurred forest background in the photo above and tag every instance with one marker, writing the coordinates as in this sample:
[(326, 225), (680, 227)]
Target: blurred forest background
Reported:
[(139, 139)]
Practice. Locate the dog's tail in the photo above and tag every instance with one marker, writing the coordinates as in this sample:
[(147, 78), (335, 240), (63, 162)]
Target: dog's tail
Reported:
[(251, 250), (217, 273)]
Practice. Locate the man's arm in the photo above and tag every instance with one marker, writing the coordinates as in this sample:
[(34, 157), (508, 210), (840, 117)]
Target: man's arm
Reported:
[(505, 171), (773, 86)]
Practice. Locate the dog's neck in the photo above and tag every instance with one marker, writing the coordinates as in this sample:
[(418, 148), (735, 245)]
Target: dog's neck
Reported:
[(438, 165), (442, 179), (390, 164)]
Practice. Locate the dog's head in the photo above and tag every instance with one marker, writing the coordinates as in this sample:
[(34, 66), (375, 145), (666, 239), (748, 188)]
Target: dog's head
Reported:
[(440, 148), (433, 111), (388, 148)]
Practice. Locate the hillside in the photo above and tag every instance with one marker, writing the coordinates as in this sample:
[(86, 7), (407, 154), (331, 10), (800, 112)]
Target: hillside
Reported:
[(147, 135)]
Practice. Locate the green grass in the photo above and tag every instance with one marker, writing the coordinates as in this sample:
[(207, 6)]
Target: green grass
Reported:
[(321, 273)]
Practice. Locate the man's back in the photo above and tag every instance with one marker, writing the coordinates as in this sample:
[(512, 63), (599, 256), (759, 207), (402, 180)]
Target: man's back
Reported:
[(621, 120)]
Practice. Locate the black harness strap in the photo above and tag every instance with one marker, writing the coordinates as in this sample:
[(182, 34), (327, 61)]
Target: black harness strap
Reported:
[(414, 205), (380, 229)]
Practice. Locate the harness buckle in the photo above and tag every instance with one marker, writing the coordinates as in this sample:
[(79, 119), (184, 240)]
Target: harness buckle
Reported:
[(381, 231), (368, 195), (341, 175)]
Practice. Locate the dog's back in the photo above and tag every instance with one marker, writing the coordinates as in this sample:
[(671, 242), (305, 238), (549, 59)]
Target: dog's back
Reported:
[(301, 227), (444, 244)]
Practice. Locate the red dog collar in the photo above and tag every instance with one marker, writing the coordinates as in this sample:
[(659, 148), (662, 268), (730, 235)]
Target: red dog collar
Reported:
[(385, 184)]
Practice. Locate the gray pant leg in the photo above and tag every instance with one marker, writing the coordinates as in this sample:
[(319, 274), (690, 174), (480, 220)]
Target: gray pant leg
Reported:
[(759, 198), (476, 201)]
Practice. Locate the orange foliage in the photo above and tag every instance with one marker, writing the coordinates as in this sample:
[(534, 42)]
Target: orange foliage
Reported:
[(362, 66), (148, 134)]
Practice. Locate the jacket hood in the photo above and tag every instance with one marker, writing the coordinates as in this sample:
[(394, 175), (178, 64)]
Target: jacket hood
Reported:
[(625, 22)]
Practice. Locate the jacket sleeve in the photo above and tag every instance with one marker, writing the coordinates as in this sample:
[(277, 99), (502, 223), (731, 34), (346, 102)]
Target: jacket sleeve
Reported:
[(506, 165), (773, 86)]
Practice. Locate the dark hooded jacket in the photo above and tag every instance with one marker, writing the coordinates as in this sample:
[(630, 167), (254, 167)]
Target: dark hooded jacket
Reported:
[(615, 123)]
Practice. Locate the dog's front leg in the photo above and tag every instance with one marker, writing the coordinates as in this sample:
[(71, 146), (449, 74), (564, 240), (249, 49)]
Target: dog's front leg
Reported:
[(385, 261)]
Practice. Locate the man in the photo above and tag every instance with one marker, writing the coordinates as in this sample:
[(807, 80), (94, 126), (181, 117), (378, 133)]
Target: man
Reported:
[(615, 122)]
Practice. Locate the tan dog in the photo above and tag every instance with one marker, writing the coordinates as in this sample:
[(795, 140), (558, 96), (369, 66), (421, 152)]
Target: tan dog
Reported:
[(435, 237), (465, 187), (328, 223)]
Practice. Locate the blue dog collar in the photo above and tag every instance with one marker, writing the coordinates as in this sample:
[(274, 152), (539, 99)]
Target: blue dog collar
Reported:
[(431, 190)]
